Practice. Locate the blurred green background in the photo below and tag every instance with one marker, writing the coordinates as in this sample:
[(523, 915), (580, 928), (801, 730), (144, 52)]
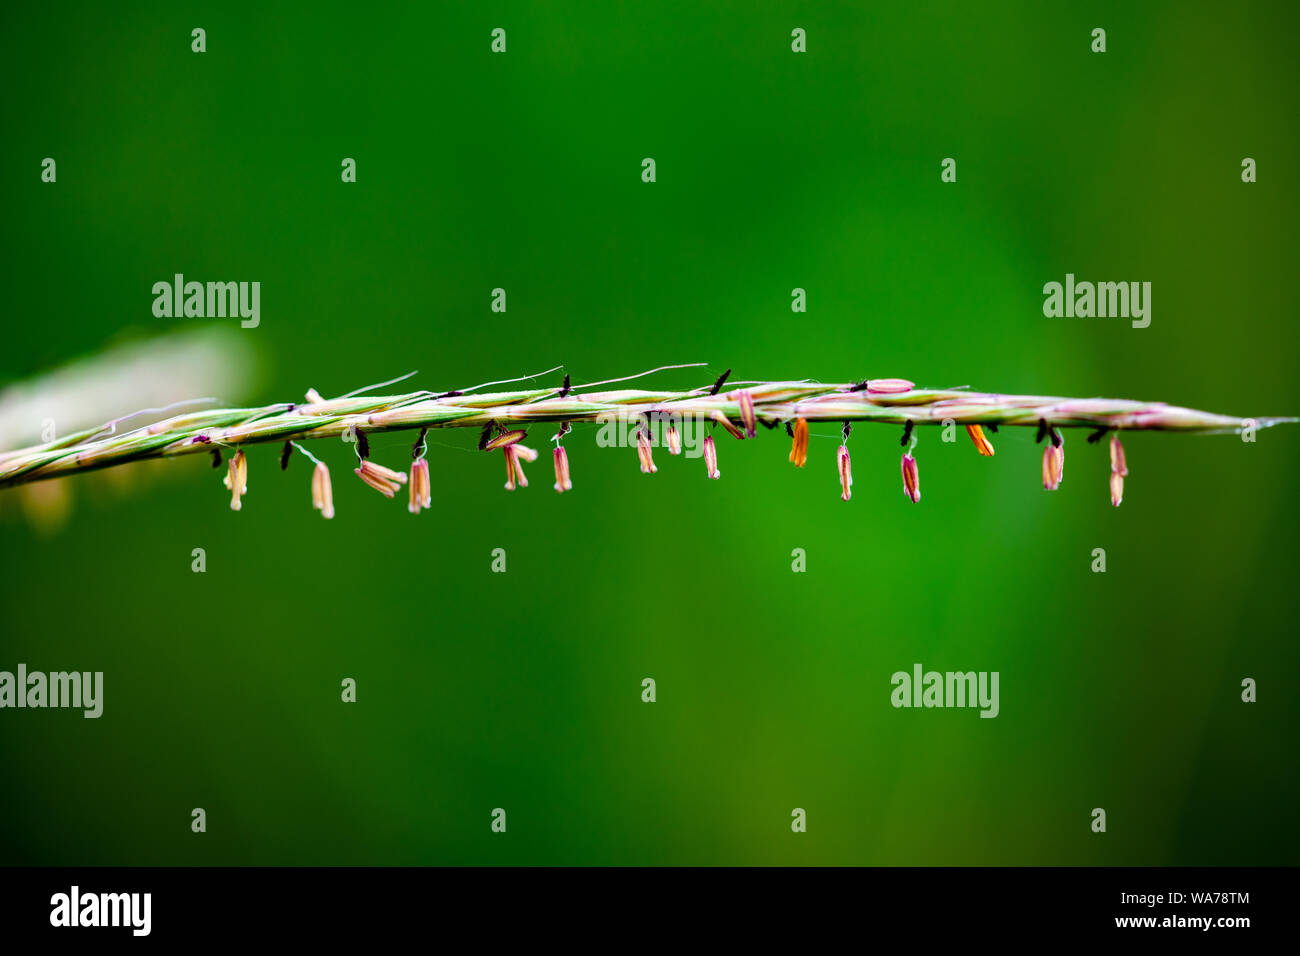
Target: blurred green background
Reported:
[(775, 170)]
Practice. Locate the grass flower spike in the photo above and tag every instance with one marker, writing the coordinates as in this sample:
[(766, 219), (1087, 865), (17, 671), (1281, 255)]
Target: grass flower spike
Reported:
[(502, 419)]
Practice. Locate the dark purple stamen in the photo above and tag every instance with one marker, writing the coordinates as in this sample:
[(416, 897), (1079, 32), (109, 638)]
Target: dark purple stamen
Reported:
[(419, 443)]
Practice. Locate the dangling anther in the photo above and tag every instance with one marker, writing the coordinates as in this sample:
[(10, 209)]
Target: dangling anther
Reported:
[(718, 418)]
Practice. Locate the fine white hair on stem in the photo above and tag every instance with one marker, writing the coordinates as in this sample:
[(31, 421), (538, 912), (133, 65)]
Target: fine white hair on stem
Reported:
[(425, 392), (794, 381), (628, 378), (111, 427), (391, 381), (508, 381)]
